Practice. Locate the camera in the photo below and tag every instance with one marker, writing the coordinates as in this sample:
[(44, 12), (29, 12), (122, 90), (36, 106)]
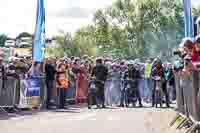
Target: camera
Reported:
[(180, 52)]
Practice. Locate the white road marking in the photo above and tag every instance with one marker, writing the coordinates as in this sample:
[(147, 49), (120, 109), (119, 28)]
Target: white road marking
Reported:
[(16, 118), (82, 117)]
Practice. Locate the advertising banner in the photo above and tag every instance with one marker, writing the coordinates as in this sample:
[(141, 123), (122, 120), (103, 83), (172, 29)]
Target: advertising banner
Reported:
[(30, 92)]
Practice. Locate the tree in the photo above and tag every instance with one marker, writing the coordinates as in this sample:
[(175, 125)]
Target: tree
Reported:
[(24, 34), (196, 11), (131, 28), (3, 39), (83, 42), (149, 26)]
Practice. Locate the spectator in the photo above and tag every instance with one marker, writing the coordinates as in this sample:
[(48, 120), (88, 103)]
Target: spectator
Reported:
[(100, 72), (196, 50), (158, 70), (35, 70), (62, 84), (148, 81), (50, 78)]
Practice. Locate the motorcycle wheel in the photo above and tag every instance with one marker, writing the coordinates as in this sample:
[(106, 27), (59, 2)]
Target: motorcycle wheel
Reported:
[(134, 104)]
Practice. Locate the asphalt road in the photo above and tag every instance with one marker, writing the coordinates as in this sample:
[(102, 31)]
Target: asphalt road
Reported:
[(82, 120)]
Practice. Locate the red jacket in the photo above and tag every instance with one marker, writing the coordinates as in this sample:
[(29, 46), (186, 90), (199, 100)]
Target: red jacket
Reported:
[(195, 56)]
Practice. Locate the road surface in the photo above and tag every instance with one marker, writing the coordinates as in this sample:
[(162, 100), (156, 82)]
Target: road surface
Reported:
[(82, 120)]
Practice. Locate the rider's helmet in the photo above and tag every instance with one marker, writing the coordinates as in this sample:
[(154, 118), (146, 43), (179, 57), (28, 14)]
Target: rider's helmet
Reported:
[(99, 60), (130, 64), (157, 63)]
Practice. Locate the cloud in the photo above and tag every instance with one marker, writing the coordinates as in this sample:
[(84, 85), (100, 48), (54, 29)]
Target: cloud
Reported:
[(195, 2), (72, 12), (69, 15)]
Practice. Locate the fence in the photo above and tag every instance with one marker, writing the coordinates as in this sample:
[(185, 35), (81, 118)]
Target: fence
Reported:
[(188, 95), (30, 92), (8, 89)]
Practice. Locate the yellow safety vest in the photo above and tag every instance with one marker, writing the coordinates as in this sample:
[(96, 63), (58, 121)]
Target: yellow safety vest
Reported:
[(148, 68)]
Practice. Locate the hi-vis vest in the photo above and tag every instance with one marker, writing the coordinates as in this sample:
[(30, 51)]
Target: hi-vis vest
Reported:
[(147, 72)]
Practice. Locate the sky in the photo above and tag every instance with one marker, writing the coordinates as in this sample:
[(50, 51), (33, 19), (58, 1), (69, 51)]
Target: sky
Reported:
[(19, 15)]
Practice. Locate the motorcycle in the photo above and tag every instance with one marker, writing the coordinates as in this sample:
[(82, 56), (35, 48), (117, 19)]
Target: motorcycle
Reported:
[(130, 93), (93, 96), (158, 91)]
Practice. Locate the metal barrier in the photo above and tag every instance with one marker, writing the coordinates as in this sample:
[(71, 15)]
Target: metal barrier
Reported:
[(195, 96), (179, 95), (188, 95), (71, 91), (187, 88), (8, 92)]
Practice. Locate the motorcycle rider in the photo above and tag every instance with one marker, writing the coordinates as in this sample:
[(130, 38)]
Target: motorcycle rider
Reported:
[(132, 75), (100, 73), (159, 71)]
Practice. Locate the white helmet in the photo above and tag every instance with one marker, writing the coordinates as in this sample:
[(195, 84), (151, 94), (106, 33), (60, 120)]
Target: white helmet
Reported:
[(131, 62)]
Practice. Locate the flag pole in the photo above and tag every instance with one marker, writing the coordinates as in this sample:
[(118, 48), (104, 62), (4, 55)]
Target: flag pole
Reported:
[(188, 18), (39, 35)]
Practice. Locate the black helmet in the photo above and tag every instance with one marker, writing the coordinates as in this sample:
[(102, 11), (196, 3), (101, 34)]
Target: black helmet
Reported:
[(99, 60)]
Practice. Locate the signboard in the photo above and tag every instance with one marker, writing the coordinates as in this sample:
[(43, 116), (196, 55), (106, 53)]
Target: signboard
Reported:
[(30, 92), (23, 51)]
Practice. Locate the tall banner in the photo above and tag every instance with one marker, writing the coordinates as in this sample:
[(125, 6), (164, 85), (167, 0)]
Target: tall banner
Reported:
[(188, 18), (39, 41)]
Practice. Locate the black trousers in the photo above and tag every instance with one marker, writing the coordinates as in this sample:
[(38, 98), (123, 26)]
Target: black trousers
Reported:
[(100, 94), (50, 87)]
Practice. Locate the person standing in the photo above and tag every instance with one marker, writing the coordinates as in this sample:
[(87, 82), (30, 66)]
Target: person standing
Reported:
[(2, 74), (50, 80), (100, 72), (115, 87), (131, 77), (148, 81), (170, 78), (62, 84), (158, 71)]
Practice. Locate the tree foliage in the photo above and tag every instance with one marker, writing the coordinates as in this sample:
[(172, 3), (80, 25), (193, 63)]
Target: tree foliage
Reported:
[(3, 39), (130, 28), (24, 34)]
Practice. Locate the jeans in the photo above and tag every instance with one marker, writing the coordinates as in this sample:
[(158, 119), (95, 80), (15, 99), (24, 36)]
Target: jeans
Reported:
[(148, 89), (142, 88), (62, 97), (123, 97)]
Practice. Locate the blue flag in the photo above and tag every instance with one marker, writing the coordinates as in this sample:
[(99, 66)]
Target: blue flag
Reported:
[(39, 41), (188, 18)]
